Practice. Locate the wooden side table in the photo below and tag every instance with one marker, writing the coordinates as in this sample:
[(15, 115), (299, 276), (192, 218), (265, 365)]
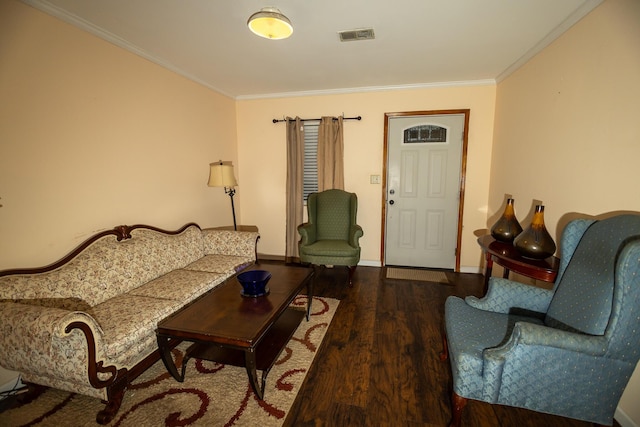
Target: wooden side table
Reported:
[(506, 255)]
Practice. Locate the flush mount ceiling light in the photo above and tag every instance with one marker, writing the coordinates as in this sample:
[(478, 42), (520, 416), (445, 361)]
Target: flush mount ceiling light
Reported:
[(270, 23)]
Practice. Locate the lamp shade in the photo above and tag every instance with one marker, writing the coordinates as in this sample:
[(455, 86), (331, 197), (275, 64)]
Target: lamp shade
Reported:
[(270, 23), (221, 175)]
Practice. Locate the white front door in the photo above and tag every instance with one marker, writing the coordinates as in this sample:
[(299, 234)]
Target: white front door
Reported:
[(423, 187)]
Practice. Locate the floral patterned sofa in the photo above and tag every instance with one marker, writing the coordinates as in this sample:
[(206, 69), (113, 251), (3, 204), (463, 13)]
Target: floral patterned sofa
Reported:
[(87, 323)]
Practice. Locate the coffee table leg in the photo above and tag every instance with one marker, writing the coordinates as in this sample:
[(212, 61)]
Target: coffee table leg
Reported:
[(250, 364), (165, 353), (309, 298)]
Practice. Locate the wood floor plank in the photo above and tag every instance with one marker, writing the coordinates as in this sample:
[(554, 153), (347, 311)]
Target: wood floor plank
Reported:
[(358, 352), (379, 364)]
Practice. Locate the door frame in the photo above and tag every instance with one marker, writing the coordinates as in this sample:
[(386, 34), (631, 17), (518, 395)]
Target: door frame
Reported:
[(463, 174)]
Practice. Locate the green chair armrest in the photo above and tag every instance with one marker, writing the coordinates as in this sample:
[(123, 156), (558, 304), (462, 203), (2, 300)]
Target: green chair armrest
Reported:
[(354, 235), (307, 233)]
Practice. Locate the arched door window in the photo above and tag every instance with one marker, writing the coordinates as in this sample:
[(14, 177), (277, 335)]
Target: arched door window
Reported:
[(425, 133)]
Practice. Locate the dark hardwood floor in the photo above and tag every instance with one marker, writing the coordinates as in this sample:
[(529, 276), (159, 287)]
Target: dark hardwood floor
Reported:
[(379, 364)]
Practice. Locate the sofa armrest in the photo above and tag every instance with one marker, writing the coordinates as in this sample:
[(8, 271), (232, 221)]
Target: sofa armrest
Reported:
[(226, 242), (504, 295), (40, 340)]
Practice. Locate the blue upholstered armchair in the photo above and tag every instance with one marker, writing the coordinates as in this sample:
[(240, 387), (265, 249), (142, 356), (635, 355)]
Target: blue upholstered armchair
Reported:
[(568, 351), (331, 235)]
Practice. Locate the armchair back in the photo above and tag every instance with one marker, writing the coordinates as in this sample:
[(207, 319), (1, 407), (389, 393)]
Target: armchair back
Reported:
[(584, 295), (333, 212)]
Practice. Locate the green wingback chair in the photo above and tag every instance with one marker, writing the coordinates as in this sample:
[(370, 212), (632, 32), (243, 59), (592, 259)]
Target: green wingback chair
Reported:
[(331, 235), (567, 351)]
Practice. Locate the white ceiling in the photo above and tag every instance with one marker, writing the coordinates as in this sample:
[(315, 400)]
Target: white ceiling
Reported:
[(418, 42)]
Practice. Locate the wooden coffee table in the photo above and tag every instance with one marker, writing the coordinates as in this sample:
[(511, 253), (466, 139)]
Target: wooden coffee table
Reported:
[(228, 328)]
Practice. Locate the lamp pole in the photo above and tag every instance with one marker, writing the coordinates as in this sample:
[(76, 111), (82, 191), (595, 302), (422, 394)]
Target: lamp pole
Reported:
[(231, 191)]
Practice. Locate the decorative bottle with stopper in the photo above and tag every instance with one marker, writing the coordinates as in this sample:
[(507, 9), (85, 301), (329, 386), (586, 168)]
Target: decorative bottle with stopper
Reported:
[(535, 242), (507, 227)]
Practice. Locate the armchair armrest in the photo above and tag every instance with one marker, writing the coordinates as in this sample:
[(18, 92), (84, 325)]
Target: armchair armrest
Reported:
[(532, 334), (503, 295), (354, 235), (307, 233), (568, 347)]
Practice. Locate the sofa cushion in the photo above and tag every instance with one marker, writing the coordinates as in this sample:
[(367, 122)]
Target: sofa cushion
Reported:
[(171, 251), (129, 323), (180, 285), (228, 264)]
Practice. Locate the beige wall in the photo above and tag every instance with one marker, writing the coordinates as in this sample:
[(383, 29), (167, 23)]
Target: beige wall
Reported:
[(262, 154), (566, 129), (92, 136)]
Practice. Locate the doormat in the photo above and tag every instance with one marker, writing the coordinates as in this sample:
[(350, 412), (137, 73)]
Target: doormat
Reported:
[(417, 274)]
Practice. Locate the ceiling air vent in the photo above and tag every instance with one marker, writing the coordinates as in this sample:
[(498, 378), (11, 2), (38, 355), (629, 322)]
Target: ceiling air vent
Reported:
[(356, 35)]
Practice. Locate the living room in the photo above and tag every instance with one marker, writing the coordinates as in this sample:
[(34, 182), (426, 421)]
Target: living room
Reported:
[(94, 136)]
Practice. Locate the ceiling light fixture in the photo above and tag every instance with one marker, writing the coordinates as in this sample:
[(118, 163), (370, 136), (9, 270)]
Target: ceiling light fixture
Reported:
[(270, 23)]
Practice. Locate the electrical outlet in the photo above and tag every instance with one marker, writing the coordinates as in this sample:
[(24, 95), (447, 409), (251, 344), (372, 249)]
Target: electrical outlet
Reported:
[(375, 179)]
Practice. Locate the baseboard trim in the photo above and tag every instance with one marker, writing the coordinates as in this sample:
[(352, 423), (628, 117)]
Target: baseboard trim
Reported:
[(365, 262), (370, 263), (623, 419), (270, 257)]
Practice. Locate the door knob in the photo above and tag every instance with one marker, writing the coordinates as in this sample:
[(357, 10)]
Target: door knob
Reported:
[(391, 202)]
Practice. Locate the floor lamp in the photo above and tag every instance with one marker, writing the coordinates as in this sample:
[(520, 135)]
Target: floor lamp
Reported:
[(221, 175)]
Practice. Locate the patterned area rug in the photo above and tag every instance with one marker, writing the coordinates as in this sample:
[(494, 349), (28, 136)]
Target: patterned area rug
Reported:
[(211, 395), (417, 274)]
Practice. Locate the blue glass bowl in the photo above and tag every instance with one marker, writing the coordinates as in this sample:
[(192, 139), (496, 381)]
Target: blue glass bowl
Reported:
[(254, 283)]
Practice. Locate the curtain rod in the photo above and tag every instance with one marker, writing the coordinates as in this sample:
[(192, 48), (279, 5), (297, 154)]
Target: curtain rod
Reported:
[(317, 120)]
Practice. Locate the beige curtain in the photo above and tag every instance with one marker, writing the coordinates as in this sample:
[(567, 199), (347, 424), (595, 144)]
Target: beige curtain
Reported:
[(295, 169), (330, 154)]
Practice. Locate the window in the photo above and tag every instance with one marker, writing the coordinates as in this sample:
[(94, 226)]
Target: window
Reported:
[(425, 133), (310, 174)]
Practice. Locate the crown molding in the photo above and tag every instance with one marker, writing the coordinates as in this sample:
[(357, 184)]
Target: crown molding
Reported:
[(342, 91)]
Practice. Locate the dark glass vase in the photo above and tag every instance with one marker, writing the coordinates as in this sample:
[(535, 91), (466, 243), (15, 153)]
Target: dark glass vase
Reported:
[(507, 227), (535, 242)]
